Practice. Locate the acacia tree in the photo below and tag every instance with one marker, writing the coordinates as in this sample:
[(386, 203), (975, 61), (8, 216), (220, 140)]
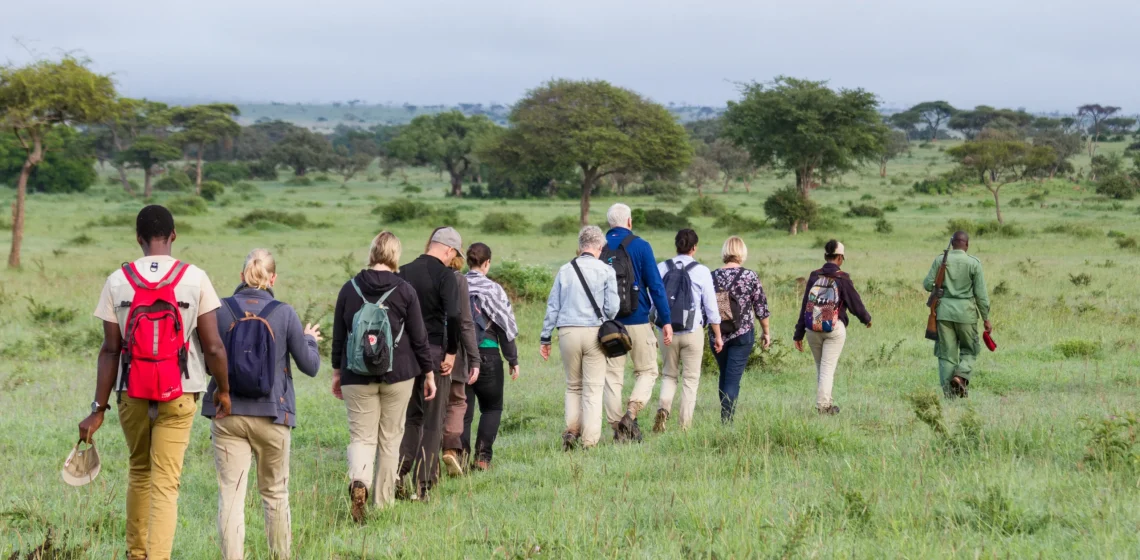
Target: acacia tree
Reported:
[(303, 150), (149, 154), (34, 99), (593, 126), (1000, 160), (1065, 145), (896, 145), (933, 113), (201, 125), (731, 160), (983, 117), (128, 119), (1097, 114), (701, 171), (905, 121), (446, 140), (805, 127)]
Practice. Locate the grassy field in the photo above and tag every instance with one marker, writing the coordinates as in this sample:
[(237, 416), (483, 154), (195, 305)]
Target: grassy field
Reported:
[(1033, 464)]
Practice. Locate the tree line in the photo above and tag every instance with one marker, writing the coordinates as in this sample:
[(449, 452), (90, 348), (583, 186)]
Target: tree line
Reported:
[(564, 138)]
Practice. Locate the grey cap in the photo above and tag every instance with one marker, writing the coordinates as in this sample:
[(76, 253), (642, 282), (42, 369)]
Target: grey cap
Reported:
[(449, 237)]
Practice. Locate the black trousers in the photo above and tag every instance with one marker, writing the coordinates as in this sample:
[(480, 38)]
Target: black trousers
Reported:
[(423, 427), (488, 390)]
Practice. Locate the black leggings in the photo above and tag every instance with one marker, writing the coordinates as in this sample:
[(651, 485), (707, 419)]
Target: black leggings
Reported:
[(488, 389)]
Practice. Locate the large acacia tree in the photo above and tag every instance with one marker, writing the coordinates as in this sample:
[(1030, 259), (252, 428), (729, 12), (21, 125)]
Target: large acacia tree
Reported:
[(594, 126), (34, 99), (999, 159), (202, 124), (1096, 114), (806, 128), (128, 120), (933, 113), (149, 154), (446, 140)]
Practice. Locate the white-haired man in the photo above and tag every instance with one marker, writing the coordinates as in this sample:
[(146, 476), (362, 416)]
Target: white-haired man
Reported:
[(570, 310), (639, 289)]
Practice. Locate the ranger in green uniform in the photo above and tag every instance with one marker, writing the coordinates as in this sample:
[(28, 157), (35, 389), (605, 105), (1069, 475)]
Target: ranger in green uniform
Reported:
[(964, 299)]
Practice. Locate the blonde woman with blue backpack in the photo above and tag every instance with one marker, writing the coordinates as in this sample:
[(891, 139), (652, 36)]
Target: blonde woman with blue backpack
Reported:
[(379, 348)]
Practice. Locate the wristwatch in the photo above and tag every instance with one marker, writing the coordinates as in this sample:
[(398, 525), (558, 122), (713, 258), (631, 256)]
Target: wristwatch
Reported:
[(96, 407)]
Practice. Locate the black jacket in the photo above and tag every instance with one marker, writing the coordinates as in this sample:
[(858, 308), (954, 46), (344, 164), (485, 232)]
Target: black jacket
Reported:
[(438, 290), (848, 298), (412, 355)]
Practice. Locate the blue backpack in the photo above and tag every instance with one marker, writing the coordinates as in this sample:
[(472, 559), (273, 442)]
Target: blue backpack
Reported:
[(679, 290), (251, 351)]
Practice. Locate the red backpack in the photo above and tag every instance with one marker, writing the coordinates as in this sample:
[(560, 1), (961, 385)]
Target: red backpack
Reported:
[(154, 343)]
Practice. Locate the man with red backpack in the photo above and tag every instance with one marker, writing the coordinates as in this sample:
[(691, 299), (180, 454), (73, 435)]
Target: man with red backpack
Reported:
[(160, 336)]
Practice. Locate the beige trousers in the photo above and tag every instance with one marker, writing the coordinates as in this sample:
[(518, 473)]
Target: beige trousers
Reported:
[(826, 348), (682, 360), (157, 446), (376, 415), (585, 367), (644, 356), (237, 440)]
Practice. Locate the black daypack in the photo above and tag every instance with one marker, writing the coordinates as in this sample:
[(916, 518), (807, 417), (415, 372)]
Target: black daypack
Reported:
[(612, 335), (251, 351), (482, 323), (628, 290), (679, 290)]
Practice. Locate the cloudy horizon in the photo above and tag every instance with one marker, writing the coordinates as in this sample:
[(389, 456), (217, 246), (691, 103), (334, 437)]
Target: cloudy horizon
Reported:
[(1042, 56)]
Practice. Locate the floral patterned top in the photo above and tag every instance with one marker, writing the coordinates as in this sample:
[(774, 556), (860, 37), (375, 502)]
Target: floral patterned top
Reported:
[(744, 286)]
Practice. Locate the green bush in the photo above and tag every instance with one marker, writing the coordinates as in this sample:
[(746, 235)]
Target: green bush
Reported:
[(211, 190), (562, 225), (705, 206), (1116, 234), (187, 206), (897, 181), (737, 224), (864, 211), (891, 207), (262, 170), (226, 172), (1119, 187), (1074, 230), (660, 187), (884, 227), (405, 210), (1127, 243), (299, 182), (787, 207), (247, 189), (116, 220), (934, 186), (258, 218), (412, 189), (658, 219), (983, 229), (528, 283), (174, 182), (322, 178), (1077, 348), (505, 222)]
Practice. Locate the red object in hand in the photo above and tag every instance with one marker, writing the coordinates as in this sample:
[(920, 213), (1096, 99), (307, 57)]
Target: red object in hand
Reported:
[(989, 340)]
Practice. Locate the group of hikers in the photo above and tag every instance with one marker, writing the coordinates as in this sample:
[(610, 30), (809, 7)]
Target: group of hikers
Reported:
[(416, 346)]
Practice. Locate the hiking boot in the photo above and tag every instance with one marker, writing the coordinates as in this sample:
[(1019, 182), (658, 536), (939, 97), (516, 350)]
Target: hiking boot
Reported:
[(452, 462), (570, 440), (424, 495), (830, 410), (482, 465), (958, 387), (629, 429), (359, 494), (659, 422)]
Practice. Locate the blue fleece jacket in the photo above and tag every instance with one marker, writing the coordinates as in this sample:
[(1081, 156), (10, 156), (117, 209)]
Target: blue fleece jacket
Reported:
[(647, 279)]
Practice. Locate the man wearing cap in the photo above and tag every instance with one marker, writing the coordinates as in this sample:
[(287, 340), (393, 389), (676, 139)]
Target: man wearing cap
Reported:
[(963, 300), (438, 292)]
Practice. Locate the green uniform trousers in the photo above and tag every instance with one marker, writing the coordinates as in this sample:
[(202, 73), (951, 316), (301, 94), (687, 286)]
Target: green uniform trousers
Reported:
[(956, 349)]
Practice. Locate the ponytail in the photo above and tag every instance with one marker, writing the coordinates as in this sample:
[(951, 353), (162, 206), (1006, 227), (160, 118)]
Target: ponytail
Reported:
[(259, 269)]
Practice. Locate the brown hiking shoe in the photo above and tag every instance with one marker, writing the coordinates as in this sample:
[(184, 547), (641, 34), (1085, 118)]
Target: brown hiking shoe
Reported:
[(424, 495), (958, 387), (628, 429), (359, 495), (830, 410), (569, 441), (659, 422), (453, 463)]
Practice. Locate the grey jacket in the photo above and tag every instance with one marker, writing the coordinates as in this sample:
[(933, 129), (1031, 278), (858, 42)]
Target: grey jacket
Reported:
[(288, 333), (468, 346), (568, 305)]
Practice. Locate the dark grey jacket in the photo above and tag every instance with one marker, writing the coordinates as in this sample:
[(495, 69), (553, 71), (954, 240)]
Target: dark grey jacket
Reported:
[(468, 346), (290, 338)]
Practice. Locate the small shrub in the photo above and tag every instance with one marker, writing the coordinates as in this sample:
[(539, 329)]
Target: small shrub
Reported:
[(982, 229), (658, 219), (262, 170), (1127, 243), (247, 189), (891, 208), (81, 240), (1119, 187), (116, 220), (965, 437), (884, 227), (322, 178), (261, 218), (705, 206), (299, 182), (187, 206), (527, 283), (212, 190), (43, 314), (735, 223), (1113, 234), (174, 182), (509, 223), (995, 512), (864, 211), (1001, 289), (1112, 441), (412, 189), (787, 207), (562, 225), (659, 187), (1082, 279), (1077, 348), (226, 172), (1071, 229), (898, 181), (934, 186), (405, 210), (867, 196)]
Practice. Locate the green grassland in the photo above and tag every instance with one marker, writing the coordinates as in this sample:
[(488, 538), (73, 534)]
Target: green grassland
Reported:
[(1039, 461)]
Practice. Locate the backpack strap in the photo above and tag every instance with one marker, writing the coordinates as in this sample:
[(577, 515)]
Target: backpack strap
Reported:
[(384, 297), (174, 276), (586, 286), (269, 309), (691, 266), (358, 292), (235, 309), (625, 242)]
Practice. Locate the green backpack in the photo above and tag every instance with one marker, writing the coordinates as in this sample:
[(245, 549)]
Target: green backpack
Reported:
[(371, 348)]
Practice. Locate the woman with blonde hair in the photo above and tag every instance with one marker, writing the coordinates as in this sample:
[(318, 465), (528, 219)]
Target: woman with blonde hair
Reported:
[(741, 301), (376, 404), (260, 420)]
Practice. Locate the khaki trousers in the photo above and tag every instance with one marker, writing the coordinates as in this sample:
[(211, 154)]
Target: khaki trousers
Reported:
[(585, 367), (456, 409), (644, 356), (157, 441), (237, 440), (826, 348), (376, 415), (682, 360)]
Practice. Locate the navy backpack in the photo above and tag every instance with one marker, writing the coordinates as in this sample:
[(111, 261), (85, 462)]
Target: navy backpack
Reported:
[(251, 351), (679, 290)]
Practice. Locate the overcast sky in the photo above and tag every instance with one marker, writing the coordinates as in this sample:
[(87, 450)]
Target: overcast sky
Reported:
[(1040, 54)]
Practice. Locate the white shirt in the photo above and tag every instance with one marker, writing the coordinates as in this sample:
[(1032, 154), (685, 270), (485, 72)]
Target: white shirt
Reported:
[(704, 292), (194, 289)]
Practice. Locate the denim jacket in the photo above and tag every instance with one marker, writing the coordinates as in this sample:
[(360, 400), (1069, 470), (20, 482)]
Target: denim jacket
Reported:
[(568, 305)]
